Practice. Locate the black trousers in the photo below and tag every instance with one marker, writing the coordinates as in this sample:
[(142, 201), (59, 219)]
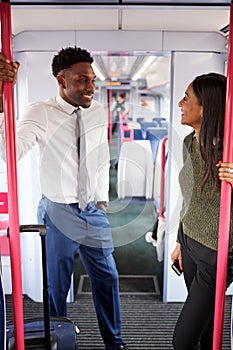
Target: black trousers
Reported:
[(194, 328)]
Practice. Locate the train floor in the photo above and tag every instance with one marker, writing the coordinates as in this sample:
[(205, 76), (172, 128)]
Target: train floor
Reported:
[(147, 322)]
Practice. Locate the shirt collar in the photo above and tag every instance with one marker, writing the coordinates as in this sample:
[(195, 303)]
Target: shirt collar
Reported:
[(67, 107), (195, 137)]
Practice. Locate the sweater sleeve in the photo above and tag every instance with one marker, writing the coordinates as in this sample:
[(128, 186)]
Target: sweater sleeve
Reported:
[(187, 143)]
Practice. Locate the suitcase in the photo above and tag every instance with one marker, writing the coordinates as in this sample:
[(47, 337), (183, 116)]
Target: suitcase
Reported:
[(50, 333), (2, 315)]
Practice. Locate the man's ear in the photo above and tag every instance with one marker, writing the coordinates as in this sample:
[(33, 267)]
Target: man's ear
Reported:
[(61, 81)]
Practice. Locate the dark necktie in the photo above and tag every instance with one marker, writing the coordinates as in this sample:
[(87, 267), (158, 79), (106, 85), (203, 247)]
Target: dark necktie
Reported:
[(83, 181)]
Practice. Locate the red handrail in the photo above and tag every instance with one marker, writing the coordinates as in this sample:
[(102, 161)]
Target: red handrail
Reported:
[(225, 204), (9, 121)]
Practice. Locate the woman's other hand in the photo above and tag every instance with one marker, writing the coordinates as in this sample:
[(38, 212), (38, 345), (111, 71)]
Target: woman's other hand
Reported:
[(176, 255), (225, 172)]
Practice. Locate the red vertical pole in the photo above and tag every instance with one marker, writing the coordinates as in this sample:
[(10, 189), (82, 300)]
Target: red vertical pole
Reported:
[(9, 120), (109, 116), (225, 203)]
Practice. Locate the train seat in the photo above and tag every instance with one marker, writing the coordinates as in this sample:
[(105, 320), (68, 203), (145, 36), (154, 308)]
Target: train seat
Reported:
[(124, 134), (158, 132), (140, 119), (134, 125), (145, 125), (137, 131), (164, 124), (135, 170), (159, 120), (127, 134), (4, 240), (155, 135), (139, 135)]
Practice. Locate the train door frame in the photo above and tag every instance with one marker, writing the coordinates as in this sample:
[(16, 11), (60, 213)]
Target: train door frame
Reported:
[(27, 43)]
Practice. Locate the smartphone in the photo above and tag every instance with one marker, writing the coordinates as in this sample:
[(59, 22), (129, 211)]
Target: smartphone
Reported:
[(176, 267)]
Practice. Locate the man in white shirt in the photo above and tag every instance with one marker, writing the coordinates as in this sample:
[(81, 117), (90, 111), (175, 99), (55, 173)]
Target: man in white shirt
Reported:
[(71, 132)]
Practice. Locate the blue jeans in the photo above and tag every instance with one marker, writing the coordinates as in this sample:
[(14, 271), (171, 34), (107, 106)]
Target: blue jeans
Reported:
[(70, 230)]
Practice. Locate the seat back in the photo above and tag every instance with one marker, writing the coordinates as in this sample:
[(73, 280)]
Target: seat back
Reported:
[(155, 135), (135, 170)]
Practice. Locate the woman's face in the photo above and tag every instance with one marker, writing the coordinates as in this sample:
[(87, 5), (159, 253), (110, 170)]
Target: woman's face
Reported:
[(191, 110)]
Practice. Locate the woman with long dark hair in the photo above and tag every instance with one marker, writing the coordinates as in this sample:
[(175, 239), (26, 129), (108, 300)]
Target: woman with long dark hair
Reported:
[(202, 108)]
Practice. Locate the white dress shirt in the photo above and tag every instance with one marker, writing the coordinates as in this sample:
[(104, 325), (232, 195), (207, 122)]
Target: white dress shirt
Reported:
[(52, 125)]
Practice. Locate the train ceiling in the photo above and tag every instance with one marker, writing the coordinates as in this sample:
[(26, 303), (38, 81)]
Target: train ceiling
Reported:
[(165, 15), (114, 17), (124, 2)]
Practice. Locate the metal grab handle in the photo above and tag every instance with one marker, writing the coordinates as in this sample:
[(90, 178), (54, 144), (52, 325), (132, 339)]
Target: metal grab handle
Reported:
[(34, 228)]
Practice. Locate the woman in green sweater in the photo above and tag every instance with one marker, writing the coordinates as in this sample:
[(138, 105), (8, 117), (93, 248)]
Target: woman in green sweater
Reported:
[(202, 108)]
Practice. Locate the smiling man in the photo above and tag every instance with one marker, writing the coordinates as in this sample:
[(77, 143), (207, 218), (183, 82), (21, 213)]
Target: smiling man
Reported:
[(71, 131)]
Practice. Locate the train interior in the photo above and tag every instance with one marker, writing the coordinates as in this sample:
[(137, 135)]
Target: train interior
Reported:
[(145, 54)]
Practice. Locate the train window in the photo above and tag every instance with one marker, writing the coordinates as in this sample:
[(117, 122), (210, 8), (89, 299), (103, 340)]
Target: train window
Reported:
[(151, 103), (149, 107)]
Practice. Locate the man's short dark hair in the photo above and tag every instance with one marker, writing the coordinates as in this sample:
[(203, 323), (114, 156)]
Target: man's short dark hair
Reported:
[(69, 56)]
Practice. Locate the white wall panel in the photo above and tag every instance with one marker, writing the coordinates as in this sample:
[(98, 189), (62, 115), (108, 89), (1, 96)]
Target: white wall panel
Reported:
[(194, 41), (112, 40)]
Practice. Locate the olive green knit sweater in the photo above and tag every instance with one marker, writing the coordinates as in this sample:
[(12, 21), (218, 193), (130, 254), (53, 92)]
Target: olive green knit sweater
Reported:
[(200, 211)]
